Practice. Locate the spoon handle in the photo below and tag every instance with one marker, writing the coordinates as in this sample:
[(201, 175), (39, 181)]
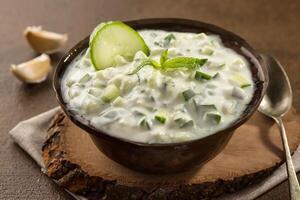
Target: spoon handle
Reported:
[(292, 177)]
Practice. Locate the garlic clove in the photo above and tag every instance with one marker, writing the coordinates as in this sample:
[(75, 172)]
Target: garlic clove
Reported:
[(33, 71), (44, 41)]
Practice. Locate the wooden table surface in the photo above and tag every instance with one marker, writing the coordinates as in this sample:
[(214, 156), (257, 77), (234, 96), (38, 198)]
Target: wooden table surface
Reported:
[(269, 25)]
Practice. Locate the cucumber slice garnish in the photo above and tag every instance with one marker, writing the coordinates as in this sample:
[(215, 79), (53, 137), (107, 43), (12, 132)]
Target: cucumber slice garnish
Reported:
[(112, 39)]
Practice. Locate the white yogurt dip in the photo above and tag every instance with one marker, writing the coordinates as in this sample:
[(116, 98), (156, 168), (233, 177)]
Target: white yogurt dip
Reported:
[(161, 106)]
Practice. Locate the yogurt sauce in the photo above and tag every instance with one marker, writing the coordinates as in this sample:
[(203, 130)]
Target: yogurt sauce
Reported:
[(150, 106)]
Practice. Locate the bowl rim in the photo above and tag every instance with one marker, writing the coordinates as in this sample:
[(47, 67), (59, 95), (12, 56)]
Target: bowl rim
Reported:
[(259, 64)]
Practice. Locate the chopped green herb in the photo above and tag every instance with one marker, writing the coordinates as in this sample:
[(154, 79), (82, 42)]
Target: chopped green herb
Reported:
[(168, 39), (188, 94), (245, 85), (160, 118), (202, 76)]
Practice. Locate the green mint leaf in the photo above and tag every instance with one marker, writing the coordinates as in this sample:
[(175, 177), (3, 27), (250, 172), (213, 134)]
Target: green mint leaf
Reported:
[(183, 62), (168, 39), (163, 57)]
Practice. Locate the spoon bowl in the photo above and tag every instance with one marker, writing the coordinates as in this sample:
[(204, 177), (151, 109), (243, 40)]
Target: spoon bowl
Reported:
[(278, 98), (275, 104)]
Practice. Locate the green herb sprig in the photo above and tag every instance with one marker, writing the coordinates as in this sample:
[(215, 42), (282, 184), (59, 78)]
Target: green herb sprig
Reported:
[(166, 63)]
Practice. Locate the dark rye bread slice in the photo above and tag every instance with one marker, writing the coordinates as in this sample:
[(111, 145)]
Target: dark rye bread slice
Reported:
[(252, 154)]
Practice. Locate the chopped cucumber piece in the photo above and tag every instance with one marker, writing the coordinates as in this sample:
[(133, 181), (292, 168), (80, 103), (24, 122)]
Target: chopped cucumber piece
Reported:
[(153, 80), (237, 65), (183, 120), (70, 82), (127, 83), (119, 102), (110, 93), (239, 93), (207, 50), (115, 38), (91, 106), (85, 78), (98, 83), (213, 117), (202, 76), (161, 116), (144, 122), (140, 111), (203, 107), (95, 92), (73, 92), (188, 94), (240, 80)]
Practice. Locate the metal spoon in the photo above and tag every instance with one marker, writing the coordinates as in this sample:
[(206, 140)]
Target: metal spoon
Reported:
[(275, 104)]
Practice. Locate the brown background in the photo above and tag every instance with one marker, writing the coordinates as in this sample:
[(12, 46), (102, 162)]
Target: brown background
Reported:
[(270, 26)]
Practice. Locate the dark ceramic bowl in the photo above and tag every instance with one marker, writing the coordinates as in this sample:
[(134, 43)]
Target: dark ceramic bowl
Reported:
[(172, 157)]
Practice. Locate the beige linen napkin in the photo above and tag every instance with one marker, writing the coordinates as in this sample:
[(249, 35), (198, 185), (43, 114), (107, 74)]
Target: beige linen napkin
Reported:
[(30, 135)]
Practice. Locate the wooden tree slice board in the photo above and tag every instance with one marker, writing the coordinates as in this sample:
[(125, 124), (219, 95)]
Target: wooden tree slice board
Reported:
[(254, 151)]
